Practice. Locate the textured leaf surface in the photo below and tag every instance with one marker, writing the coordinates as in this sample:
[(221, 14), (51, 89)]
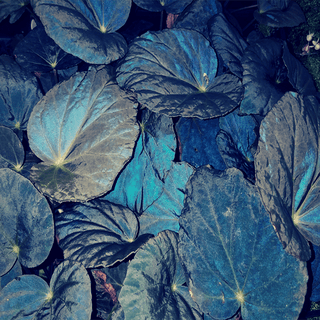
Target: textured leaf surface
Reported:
[(14, 272), (86, 29), (170, 6), (23, 297), (164, 212), (173, 72), (240, 262), (38, 52), (13, 8), (153, 285), (26, 222), (84, 131), (98, 233), (141, 182), (315, 269), (19, 93), (287, 173)]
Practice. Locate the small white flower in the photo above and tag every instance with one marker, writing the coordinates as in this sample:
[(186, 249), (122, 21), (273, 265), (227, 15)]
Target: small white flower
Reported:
[(309, 36)]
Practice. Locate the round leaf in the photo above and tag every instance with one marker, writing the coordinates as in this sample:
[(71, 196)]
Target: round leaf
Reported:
[(86, 29), (84, 130), (173, 72), (26, 222), (239, 260)]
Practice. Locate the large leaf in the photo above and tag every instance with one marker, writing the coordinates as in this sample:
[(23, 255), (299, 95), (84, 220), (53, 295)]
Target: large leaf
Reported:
[(98, 233), (19, 92), (227, 41), (86, 29), (231, 252), (164, 212), (279, 13), (173, 72), (26, 222), (84, 131), (38, 52), (197, 139), (141, 182), (170, 6), (287, 172), (68, 297), (14, 272), (153, 288)]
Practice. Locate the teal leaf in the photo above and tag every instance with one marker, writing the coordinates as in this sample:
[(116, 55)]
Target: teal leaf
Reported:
[(240, 262), (86, 29), (84, 131), (153, 288), (287, 172), (26, 222), (97, 233), (173, 72)]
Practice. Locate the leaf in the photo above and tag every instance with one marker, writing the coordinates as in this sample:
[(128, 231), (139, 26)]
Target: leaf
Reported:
[(14, 9), (86, 29), (197, 140), (287, 172), (98, 233), (228, 43), (11, 149), (315, 294), (170, 6), (26, 222), (83, 130), (153, 285), (141, 182), (225, 226), (163, 213), (19, 93), (38, 52), (279, 14), (197, 15), (173, 72), (14, 272)]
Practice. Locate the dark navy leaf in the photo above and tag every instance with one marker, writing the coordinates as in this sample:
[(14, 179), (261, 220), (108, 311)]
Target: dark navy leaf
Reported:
[(23, 297), (173, 72), (38, 52), (19, 93), (227, 41), (141, 182), (153, 285), (13, 8), (83, 130), (197, 140), (11, 150), (164, 212), (98, 233), (315, 270), (170, 6), (197, 15), (239, 260), (287, 168), (26, 222), (279, 13), (86, 29)]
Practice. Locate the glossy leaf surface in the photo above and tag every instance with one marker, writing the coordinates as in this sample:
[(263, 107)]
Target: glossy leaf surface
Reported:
[(173, 72), (84, 131), (26, 222), (240, 262), (98, 233), (19, 93), (153, 285), (86, 29), (287, 173)]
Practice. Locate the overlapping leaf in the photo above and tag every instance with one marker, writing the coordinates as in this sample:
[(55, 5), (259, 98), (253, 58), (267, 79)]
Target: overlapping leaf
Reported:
[(170, 6), (84, 131), (287, 172), (153, 288), (13, 8), (86, 29), (26, 222), (98, 233), (239, 260), (173, 72)]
